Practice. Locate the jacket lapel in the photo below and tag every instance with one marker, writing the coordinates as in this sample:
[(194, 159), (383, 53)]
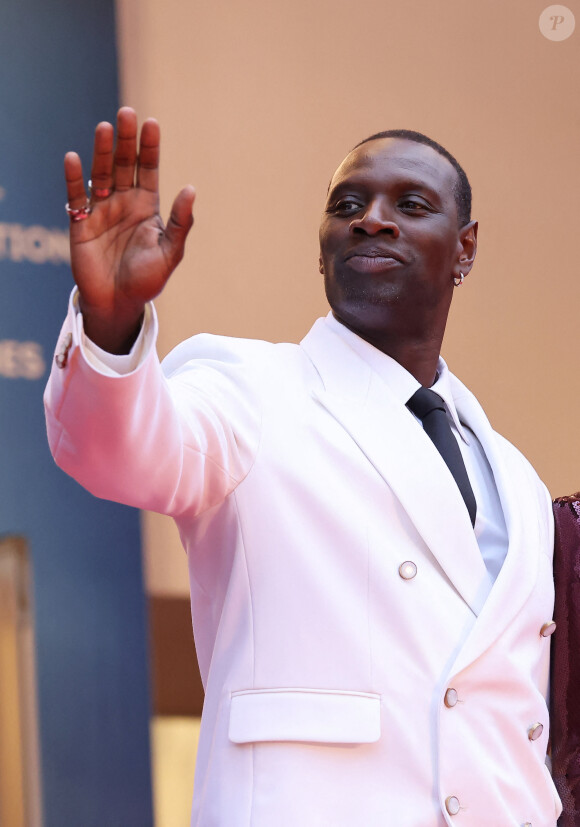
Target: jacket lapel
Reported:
[(519, 572), (404, 456)]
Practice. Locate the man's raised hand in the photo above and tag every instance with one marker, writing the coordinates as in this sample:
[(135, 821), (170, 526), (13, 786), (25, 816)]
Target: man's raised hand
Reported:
[(121, 252)]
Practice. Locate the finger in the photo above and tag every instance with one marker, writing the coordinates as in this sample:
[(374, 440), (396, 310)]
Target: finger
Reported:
[(148, 163), (125, 149), (102, 166), (179, 224), (75, 186)]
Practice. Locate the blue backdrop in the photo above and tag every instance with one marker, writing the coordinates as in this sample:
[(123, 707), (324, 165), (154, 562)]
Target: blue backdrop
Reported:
[(59, 78)]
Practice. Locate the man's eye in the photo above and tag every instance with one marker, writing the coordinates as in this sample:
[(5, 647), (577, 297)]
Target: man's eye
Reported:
[(413, 206), (346, 207)]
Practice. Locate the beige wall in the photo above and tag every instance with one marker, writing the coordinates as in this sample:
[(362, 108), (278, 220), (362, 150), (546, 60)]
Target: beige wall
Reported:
[(259, 101)]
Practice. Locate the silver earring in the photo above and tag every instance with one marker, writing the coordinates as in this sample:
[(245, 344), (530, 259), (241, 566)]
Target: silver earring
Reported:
[(459, 281)]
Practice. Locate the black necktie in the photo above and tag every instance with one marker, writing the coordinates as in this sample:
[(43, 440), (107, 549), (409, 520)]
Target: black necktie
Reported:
[(430, 409)]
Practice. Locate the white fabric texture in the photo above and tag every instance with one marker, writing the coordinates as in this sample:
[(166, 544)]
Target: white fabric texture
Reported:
[(291, 473)]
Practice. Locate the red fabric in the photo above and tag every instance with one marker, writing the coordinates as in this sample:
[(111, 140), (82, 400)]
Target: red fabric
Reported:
[(565, 660)]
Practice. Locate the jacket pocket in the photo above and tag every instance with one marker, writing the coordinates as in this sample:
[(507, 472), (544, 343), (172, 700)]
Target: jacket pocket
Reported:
[(310, 715)]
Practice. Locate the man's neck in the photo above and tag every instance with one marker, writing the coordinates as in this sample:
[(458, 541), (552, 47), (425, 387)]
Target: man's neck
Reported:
[(418, 355)]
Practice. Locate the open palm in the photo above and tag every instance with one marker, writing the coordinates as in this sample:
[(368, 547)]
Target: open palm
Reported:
[(122, 254)]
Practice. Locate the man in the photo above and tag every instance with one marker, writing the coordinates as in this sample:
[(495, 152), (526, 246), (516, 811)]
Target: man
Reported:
[(373, 635)]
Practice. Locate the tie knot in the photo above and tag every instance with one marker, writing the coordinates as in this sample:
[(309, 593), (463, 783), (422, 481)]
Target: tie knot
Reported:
[(424, 401)]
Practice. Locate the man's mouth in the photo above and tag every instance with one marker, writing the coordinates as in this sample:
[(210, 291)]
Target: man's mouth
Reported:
[(373, 259)]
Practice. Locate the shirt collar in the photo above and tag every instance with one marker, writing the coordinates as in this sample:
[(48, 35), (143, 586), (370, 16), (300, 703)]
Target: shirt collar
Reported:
[(401, 383)]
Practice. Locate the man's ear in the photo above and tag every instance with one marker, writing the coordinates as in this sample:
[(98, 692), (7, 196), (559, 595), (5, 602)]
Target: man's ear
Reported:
[(468, 247), (320, 265)]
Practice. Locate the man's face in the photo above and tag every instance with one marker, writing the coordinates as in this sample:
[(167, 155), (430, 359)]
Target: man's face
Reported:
[(390, 244)]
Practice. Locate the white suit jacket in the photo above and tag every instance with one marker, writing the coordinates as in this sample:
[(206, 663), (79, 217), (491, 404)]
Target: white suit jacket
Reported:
[(300, 486)]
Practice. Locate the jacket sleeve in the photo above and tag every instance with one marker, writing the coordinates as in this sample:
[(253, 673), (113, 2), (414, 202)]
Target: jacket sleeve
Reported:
[(175, 440)]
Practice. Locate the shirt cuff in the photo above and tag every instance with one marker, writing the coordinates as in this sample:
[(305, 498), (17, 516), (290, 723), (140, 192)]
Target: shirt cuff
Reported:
[(111, 364)]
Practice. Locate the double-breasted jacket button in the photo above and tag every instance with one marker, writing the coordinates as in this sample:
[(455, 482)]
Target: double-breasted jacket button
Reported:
[(548, 629), (450, 698), (452, 805), (407, 570), (61, 356), (535, 731)]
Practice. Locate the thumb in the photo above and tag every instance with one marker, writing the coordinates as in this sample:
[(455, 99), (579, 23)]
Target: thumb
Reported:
[(178, 226)]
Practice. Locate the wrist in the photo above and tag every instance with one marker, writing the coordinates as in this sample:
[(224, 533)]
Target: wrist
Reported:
[(115, 329)]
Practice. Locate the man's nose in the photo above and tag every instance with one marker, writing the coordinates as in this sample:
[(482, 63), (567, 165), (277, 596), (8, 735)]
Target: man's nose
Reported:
[(377, 218)]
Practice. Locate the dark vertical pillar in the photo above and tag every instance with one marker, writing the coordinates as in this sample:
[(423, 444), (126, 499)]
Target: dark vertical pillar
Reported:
[(58, 79)]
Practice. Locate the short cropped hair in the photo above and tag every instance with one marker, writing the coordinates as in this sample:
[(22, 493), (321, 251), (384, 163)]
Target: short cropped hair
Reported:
[(462, 189)]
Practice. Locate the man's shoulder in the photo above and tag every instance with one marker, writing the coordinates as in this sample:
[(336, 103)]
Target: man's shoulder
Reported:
[(211, 348), (468, 405), (254, 370)]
